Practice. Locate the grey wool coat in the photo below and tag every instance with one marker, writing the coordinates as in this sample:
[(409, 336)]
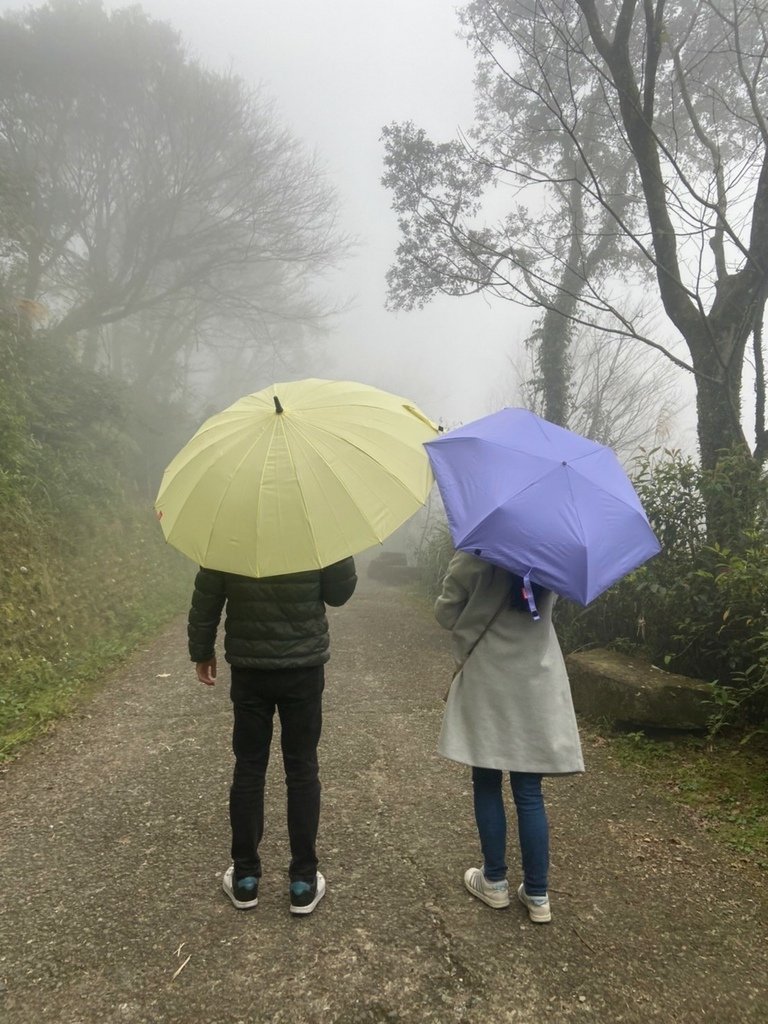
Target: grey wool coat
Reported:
[(510, 706)]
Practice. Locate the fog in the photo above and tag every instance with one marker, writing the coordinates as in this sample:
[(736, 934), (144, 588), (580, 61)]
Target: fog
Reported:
[(338, 71)]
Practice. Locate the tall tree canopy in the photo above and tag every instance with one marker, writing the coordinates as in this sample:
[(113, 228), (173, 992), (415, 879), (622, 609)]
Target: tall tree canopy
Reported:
[(634, 139), (148, 191)]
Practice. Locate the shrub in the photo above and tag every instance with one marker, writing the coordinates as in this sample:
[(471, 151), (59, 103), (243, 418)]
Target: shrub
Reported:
[(697, 608)]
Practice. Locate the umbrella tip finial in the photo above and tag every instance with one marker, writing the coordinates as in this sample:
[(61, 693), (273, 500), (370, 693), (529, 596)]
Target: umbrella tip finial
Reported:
[(278, 407)]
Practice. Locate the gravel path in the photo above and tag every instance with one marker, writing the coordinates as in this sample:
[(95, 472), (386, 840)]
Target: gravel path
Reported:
[(115, 834)]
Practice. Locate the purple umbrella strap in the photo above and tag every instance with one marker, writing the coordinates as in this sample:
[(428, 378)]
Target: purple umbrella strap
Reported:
[(528, 595)]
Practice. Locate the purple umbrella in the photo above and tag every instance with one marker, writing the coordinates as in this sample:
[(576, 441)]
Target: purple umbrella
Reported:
[(541, 501)]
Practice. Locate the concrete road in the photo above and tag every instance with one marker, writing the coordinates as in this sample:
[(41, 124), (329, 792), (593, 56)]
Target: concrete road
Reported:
[(114, 836)]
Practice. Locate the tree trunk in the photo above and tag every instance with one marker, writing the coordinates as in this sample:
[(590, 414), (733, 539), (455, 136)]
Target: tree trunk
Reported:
[(731, 473), (761, 436), (718, 431), (553, 365), (556, 329)]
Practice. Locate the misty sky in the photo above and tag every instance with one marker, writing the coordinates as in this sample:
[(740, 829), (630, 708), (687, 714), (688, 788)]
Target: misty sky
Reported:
[(339, 70)]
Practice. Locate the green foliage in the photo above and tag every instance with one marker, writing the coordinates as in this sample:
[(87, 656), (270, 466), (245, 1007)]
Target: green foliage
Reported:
[(697, 608), (725, 783), (85, 569), (66, 620), (63, 439)]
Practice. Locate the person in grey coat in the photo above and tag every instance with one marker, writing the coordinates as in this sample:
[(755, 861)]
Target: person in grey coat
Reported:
[(509, 709)]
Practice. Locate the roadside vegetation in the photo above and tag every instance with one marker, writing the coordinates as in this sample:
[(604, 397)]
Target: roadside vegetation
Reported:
[(86, 572), (161, 237)]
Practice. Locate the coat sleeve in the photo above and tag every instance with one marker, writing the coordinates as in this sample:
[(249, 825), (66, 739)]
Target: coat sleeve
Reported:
[(208, 600), (338, 582), (455, 593)]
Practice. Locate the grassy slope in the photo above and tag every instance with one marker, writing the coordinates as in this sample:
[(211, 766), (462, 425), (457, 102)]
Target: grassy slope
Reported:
[(67, 616)]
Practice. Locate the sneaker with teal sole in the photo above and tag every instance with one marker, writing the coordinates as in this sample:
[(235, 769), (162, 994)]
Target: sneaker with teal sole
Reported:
[(305, 895), (244, 892)]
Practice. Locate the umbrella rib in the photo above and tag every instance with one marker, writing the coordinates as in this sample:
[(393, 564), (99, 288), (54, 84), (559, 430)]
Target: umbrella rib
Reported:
[(307, 438), (570, 463), (307, 516), (306, 510), (535, 483), (516, 449), (205, 447), (611, 494), (225, 490), (365, 454), (528, 486), (581, 526), (340, 437)]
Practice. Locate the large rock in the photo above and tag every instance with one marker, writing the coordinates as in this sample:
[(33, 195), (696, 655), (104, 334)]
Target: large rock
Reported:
[(628, 691)]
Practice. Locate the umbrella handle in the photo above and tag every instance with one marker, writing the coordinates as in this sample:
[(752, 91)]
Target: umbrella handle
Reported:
[(528, 595)]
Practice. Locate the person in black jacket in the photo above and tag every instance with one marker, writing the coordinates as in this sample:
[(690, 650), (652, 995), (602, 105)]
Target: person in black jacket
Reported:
[(276, 641)]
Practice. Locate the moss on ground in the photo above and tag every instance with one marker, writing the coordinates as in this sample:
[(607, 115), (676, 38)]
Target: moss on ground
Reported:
[(723, 779)]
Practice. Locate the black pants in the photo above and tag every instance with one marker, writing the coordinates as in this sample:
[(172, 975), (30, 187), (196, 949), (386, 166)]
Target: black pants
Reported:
[(297, 695)]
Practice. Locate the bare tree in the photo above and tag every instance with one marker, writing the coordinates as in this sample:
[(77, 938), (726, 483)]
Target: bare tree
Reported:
[(664, 107), (626, 397), (156, 191)]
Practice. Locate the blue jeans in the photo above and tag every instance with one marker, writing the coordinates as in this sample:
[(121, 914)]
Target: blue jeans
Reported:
[(532, 827)]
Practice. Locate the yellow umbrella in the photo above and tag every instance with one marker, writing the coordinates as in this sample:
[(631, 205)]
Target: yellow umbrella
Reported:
[(295, 477)]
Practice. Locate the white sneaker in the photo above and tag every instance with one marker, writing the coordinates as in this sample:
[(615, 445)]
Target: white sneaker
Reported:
[(495, 894), (538, 906)]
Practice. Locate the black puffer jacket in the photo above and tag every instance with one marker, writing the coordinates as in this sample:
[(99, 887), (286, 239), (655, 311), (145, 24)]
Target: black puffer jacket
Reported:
[(271, 623)]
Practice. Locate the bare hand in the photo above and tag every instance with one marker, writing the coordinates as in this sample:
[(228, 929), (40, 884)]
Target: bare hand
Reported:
[(206, 671)]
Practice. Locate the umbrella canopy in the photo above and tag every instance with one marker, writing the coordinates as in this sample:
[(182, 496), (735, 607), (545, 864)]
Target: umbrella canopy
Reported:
[(541, 501), (296, 477)]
